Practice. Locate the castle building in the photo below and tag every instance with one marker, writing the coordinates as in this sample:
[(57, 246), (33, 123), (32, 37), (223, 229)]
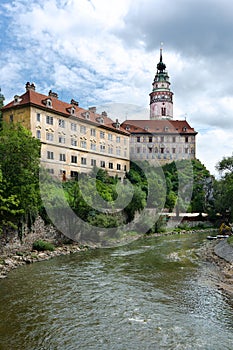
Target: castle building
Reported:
[(161, 139), (73, 140)]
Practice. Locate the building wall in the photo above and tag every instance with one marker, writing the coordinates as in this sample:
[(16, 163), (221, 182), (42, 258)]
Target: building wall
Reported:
[(164, 148), (69, 145)]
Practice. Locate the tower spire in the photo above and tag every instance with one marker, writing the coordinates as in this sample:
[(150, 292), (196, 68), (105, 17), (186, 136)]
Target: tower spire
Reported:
[(161, 105)]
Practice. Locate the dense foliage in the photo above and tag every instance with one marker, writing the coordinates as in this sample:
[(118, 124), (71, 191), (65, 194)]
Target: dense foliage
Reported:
[(223, 189), (104, 201), (19, 164)]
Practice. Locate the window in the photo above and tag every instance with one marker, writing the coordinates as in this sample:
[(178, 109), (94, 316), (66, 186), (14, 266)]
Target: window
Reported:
[(50, 171), (93, 146), (173, 139), (173, 150), (61, 123), (49, 120), (186, 139), (138, 138), (138, 149), (38, 117), (186, 150), (83, 161), (161, 138), (49, 136), (150, 138), (62, 157), (102, 164), (73, 127), (110, 137), (49, 155), (161, 150), (110, 150), (102, 134), (93, 162), (73, 173), (93, 132), (110, 165), (102, 148), (118, 167), (150, 149), (118, 139), (125, 168), (83, 144), (74, 159), (62, 139), (163, 111), (73, 142), (38, 134), (118, 151), (83, 129), (11, 118)]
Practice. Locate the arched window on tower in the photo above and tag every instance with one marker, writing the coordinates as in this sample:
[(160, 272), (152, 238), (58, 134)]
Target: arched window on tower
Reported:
[(163, 111)]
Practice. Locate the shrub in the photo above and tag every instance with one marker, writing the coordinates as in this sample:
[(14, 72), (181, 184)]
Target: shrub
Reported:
[(41, 246)]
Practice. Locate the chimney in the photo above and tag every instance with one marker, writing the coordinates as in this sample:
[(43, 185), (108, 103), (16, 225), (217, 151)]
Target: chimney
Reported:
[(53, 94), (92, 109), (104, 114), (73, 102), (30, 86)]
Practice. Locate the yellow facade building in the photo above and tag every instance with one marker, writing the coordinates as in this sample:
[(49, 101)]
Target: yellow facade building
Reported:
[(73, 140)]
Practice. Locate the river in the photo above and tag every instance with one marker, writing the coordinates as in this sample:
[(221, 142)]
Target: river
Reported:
[(155, 293)]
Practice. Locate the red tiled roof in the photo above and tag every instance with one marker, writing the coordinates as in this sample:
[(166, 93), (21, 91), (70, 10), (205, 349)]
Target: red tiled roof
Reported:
[(158, 126), (31, 97)]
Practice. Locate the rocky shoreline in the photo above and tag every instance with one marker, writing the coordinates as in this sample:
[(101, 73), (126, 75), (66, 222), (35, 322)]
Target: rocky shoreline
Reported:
[(12, 261), (220, 253)]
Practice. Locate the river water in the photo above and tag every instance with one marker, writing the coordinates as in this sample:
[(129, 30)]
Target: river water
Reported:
[(154, 293)]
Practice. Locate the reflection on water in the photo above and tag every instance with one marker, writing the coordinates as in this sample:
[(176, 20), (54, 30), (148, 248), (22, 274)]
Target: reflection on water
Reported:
[(153, 294)]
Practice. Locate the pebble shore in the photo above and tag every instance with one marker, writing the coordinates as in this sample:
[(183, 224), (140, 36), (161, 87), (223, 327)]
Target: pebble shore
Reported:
[(10, 262)]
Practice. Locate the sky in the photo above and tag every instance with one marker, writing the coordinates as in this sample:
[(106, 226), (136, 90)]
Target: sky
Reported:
[(104, 53)]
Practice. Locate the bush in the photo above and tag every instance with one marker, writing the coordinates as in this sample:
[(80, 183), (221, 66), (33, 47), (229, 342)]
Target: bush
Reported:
[(230, 240), (41, 246)]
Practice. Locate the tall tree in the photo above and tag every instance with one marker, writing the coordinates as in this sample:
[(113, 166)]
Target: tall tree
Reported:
[(223, 189), (19, 161)]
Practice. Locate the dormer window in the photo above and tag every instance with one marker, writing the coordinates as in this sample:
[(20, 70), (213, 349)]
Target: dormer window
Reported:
[(117, 124), (166, 128), (184, 128), (17, 99), (127, 127), (48, 103), (87, 115), (100, 120)]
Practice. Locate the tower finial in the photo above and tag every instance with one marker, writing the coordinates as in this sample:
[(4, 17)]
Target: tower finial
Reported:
[(161, 66), (161, 51)]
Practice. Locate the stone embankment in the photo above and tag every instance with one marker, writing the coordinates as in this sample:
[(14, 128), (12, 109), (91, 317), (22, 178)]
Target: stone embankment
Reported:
[(16, 252), (221, 254)]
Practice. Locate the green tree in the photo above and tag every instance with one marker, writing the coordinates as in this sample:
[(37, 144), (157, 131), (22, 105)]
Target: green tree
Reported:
[(223, 189), (19, 161), (2, 98), (9, 207)]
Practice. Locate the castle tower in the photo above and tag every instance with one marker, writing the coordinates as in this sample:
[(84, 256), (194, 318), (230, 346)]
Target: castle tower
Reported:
[(161, 105)]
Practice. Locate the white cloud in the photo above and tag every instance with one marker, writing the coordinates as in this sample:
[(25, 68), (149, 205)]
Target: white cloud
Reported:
[(103, 51)]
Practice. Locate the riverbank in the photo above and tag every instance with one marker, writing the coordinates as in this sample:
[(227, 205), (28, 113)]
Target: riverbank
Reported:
[(16, 256), (220, 253), (12, 261)]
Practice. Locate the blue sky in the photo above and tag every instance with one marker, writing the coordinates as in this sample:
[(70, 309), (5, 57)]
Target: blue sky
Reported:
[(104, 53)]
